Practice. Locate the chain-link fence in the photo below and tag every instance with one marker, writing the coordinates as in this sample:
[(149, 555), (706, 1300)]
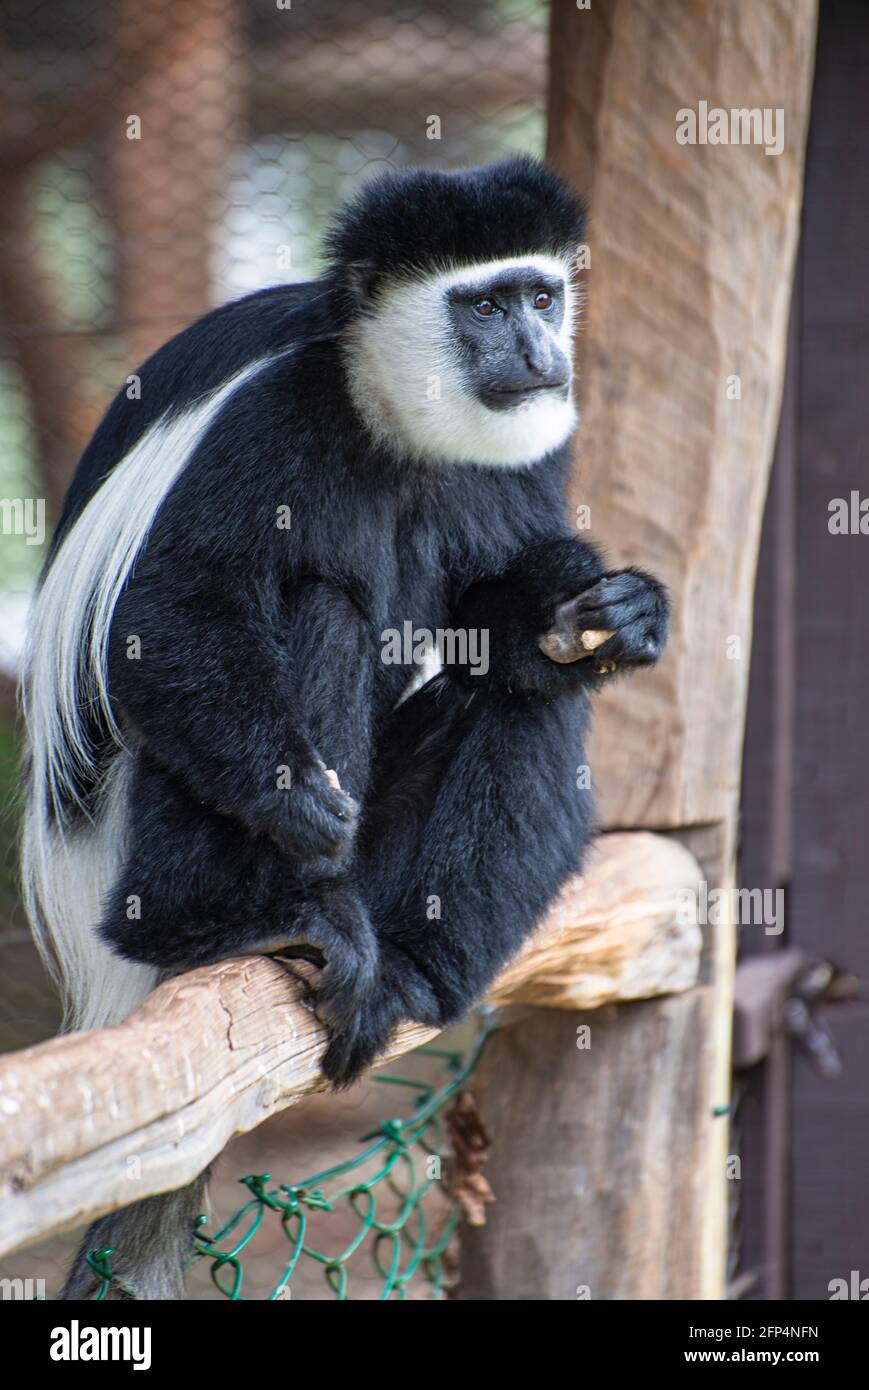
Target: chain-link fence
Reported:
[(158, 158)]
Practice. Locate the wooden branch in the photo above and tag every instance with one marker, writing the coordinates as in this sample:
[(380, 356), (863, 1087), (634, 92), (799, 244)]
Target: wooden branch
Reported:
[(97, 1120)]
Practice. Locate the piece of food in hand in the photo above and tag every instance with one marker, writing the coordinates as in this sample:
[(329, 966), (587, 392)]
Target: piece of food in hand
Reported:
[(594, 637), (332, 778), (564, 642)]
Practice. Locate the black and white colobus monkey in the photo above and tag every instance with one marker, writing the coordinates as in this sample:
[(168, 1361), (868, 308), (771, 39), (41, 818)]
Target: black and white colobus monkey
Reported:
[(305, 470)]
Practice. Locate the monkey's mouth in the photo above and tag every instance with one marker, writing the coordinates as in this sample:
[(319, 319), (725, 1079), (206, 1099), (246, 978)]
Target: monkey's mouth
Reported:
[(503, 397)]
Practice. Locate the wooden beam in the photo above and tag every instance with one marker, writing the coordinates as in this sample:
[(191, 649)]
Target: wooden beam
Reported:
[(680, 369), (692, 256), (97, 1120), (301, 83), (169, 189)]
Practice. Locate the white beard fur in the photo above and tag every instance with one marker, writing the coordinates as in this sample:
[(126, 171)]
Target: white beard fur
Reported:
[(394, 379)]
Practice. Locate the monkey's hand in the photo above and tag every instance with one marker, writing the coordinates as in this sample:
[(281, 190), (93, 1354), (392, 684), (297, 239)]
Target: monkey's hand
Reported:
[(560, 584), (619, 621), (224, 709), (310, 816)]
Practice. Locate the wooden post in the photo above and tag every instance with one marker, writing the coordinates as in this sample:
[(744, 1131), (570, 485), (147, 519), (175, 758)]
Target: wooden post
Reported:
[(597, 1154), (680, 375)]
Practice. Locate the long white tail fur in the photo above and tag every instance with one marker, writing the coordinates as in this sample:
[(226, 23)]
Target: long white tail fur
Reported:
[(68, 864)]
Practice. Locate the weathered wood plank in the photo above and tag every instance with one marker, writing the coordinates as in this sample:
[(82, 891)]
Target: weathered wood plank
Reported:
[(97, 1120)]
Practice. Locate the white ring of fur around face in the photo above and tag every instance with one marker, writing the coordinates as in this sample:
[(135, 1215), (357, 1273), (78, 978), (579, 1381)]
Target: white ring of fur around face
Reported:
[(407, 385)]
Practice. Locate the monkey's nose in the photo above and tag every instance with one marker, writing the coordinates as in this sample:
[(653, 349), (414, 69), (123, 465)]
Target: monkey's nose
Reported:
[(545, 366), (538, 360)]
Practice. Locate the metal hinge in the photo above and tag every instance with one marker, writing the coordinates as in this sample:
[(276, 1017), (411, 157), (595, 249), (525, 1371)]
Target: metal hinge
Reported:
[(783, 992)]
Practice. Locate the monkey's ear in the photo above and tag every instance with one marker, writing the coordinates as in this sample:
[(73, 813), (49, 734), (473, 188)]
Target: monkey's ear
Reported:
[(362, 277)]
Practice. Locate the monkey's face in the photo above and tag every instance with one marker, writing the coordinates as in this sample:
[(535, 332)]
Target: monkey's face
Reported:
[(468, 365), (508, 331)]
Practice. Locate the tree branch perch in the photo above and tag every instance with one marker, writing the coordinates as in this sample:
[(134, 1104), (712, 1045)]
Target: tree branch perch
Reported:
[(97, 1120)]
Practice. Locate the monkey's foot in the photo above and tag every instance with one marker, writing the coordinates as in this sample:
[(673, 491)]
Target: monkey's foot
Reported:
[(400, 994), (334, 933), (325, 923)]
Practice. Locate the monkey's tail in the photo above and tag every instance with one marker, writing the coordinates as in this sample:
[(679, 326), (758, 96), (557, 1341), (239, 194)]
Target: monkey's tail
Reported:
[(67, 872), (151, 1243), (66, 875)]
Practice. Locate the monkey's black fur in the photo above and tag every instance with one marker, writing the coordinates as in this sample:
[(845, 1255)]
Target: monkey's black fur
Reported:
[(421, 220), (459, 815)]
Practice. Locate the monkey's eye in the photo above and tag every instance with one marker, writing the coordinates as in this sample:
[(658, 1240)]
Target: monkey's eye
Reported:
[(543, 300), (485, 308)]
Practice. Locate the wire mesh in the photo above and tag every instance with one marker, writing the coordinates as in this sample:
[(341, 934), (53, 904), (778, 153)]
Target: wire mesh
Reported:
[(383, 1187)]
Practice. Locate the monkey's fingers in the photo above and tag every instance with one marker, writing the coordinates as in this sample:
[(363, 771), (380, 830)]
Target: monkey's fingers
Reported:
[(564, 642)]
